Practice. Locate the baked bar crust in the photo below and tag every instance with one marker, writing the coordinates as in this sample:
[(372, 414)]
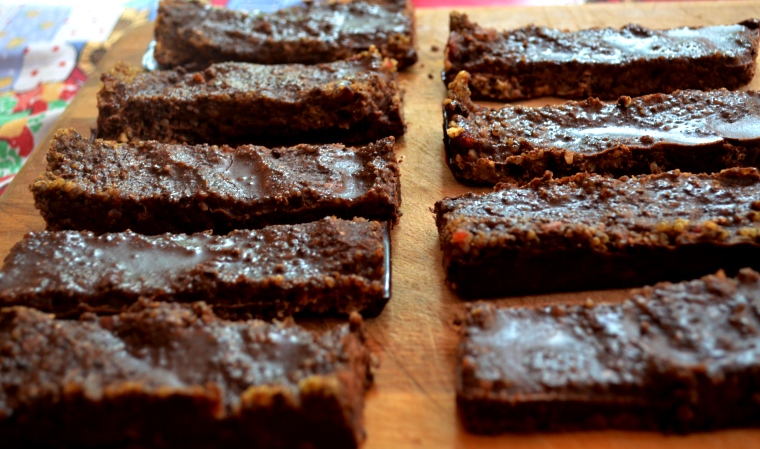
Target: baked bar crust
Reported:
[(674, 357), (327, 266), (352, 101), (694, 131), (153, 188), (606, 63), (177, 376), (589, 232), (195, 35)]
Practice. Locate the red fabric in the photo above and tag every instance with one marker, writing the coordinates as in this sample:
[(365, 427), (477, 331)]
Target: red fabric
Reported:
[(24, 142), (28, 98)]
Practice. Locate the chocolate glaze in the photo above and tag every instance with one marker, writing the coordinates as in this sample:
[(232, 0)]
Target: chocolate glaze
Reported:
[(600, 62), (153, 188), (592, 232), (179, 375), (331, 265), (195, 35), (689, 130), (675, 357), (356, 100)]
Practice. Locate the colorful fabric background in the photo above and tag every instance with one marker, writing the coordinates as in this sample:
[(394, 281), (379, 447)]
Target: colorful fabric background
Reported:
[(41, 46)]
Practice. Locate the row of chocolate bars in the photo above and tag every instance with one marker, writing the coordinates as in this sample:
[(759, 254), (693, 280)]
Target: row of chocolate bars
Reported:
[(679, 357), (660, 187), (177, 202)]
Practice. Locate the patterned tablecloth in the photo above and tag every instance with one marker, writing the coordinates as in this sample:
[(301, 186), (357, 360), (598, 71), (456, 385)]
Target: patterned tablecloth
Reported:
[(49, 47)]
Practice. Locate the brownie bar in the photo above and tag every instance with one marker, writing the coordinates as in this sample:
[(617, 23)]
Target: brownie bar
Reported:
[(692, 131), (153, 188), (592, 232), (194, 35), (606, 63), (673, 357), (328, 266), (357, 100), (176, 376)]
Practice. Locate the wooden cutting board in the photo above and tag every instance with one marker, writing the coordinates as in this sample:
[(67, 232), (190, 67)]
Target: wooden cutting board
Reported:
[(415, 338)]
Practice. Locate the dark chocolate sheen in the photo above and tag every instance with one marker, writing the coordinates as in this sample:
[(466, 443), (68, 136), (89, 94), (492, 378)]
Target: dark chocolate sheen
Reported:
[(625, 232), (194, 378), (687, 130), (355, 100), (153, 188), (331, 265), (599, 62), (675, 357), (195, 35)]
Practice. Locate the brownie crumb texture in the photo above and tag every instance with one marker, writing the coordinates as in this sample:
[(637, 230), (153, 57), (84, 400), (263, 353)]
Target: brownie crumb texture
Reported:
[(325, 267), (606, 63), (176, 376), (689, 130), (673, 357), (594, 232)]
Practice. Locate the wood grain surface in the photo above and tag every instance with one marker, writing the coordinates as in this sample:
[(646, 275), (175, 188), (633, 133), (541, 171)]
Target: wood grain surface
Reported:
[(412, 403)]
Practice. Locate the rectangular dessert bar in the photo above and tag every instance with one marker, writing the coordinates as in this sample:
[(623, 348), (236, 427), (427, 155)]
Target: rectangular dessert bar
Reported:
[(195, 35), (176, 376), (593, 232), (690, 130), (153, 188), (674, 357), (327, 266), (536, 61), (355, 100)]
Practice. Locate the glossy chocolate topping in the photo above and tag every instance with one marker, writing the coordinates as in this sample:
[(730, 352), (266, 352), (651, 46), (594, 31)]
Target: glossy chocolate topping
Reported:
[(353, 100), (289, 267), (606, 63), (283, 82), (618, 46), (687, 118), (178, 375), (605, 214), (328, 23), (158, 345), (181, 188), (318, 32), (671, 344), (690, 130), (249, 173)]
